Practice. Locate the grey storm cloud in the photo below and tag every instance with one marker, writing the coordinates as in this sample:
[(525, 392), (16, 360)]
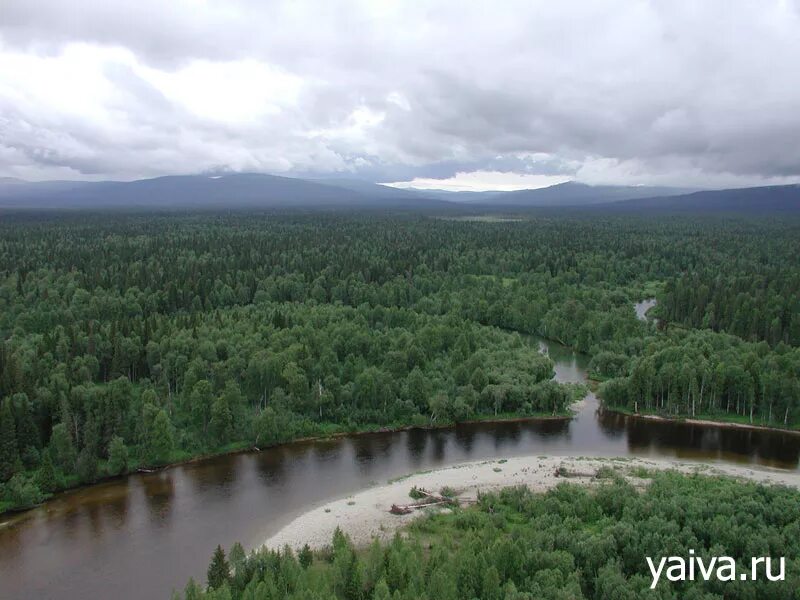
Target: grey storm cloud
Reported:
[(622, 91)]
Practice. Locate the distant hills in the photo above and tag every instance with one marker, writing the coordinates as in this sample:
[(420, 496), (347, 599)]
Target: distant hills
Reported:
[(573, 193), (239, 190), (755, 200), (253, 190)]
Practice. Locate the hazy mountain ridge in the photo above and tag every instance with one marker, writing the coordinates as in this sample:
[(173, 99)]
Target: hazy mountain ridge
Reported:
[(255, 190), (241, 190), (764, 199), (573, 193)]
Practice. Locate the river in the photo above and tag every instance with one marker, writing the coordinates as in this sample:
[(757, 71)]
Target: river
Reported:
[(145, 535)]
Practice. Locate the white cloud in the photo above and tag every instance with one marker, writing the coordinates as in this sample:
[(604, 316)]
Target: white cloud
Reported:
[(232, 91), (71, 83)]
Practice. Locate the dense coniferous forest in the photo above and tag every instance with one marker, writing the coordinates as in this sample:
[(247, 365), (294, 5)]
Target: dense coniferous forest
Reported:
[(131, 341), (570, 542), (759, 302)]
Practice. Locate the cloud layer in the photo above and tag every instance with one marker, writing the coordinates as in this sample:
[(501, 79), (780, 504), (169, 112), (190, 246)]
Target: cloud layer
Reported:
[(613, 91)]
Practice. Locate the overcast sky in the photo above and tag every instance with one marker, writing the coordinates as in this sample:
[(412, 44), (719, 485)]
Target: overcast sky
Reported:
[(465, 95)]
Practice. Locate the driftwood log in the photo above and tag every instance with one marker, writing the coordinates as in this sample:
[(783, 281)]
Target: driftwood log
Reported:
[(434, 497), (562, 472), (400, 510), (428, 499), (404, 509)]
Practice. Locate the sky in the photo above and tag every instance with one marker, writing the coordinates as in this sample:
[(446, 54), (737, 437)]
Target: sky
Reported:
[(452, 95)]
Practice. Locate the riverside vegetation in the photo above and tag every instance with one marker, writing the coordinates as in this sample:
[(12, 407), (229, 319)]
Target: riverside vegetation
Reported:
[(570, 542), (135, 341)]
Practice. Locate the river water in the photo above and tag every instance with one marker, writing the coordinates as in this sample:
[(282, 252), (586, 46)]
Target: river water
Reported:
[(145, 535)]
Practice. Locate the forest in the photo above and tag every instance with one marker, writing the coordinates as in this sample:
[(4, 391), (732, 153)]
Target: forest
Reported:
[(570, 542), (131, 341)]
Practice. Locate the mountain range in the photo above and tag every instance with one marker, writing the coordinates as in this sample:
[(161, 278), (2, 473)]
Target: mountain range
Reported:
[(240, 190), (755, 200), (254, 190)]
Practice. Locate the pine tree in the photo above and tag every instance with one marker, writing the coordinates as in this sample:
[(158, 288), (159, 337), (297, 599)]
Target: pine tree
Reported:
[(9, 454), (219, 570)]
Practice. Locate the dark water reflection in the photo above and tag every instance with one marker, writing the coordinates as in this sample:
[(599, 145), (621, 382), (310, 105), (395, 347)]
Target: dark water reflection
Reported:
[(699, 442), (142, 536)]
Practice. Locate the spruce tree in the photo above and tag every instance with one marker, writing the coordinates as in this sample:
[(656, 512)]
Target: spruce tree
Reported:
[(353, 578), (27, 431), (9, 454), (305, 556), (219, 570), (48, 481)]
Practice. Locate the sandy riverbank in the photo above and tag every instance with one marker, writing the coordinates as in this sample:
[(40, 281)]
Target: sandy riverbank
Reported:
[(365, 515)]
